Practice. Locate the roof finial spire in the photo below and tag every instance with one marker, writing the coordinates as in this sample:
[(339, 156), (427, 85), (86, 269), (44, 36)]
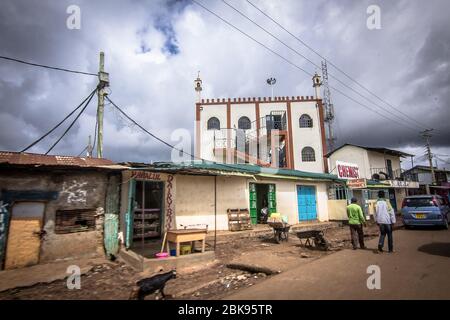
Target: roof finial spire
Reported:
[(198, 87)]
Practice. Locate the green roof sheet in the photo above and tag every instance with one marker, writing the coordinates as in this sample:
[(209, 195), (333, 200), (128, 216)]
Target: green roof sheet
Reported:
[(239, 168)]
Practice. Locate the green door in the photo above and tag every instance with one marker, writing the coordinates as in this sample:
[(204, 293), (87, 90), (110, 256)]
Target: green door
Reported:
[(253, 204), (129, 213), (272, 199)]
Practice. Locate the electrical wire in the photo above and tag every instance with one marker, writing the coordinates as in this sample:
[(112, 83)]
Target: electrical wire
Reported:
[(61, 122), (300, 68), (145, 130), (48, 67), (85, 148), (72, 123), (310, 61), (335, 66)]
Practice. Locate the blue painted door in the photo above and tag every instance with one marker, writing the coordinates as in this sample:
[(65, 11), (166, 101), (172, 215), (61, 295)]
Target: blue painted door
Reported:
[(307, 204)]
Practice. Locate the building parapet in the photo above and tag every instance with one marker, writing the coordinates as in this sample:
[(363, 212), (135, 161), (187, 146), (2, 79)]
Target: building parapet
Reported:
[(257, 99)]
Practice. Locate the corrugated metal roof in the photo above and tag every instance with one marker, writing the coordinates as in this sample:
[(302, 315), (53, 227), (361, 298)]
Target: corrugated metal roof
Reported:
[(34, 159), (376, 149), (241, 168)]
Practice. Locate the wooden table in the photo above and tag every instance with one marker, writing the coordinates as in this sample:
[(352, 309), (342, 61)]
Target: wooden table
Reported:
[(186, 235)]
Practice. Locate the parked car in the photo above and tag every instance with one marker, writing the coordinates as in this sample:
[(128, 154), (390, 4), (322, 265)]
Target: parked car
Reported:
[(425, 210)]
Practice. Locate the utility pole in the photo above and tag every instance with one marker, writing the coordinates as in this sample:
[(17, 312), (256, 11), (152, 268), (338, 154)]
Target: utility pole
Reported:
[(103, 78), (426, 134)]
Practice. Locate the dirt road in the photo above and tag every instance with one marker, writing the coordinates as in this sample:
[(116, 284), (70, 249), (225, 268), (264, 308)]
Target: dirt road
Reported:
[(115, 280), (419, 269)]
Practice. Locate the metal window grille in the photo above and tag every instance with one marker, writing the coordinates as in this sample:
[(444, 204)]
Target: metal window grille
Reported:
[(68, 221), (213, 124), (305, 121), (308, 154), (244, 123)]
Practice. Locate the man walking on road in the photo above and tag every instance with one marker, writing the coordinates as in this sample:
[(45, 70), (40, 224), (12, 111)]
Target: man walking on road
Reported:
[(356, 221), (385, 218)]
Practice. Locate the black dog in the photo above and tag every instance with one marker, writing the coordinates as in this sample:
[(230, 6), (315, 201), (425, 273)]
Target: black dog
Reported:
[(147, 286)]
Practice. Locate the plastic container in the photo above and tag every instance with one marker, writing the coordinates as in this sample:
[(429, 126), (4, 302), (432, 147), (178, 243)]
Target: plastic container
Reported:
[(161, 255), (173, 252), (185, 249)]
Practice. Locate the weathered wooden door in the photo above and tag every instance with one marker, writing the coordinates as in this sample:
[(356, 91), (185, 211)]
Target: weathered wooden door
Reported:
[(4, 221), (24, 236)]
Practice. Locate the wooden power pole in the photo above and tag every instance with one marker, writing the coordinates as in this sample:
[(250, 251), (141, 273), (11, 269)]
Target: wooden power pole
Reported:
[(101, 92)]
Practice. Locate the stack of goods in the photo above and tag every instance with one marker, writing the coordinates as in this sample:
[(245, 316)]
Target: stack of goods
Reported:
[(239, 219), (277, 217)]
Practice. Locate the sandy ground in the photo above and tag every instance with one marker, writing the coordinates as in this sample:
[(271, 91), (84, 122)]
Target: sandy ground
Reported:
[(116, 280), (418, 269)]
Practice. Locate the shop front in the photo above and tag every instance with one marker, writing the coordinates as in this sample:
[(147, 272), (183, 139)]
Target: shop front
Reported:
[(366, 192), (147, 210)]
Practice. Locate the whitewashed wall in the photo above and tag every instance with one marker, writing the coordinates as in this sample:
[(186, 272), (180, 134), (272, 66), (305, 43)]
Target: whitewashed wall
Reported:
[(307, 137), (195, 198), (354, 155), (302, 137), (207, 136)]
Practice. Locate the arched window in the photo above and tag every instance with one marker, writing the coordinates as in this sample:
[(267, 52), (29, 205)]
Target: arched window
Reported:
[(244, 123), (213, 124), (305, 121), (308, 154)]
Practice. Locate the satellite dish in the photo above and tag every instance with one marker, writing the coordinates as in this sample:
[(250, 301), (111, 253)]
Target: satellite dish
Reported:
[(271, 81)]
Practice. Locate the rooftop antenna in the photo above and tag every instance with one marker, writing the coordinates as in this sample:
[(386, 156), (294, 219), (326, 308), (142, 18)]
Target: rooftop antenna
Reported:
[(271, 82), (329, 108)]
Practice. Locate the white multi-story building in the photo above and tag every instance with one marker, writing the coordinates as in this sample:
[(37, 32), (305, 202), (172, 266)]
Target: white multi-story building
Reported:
[(368, 170), (282, 132)]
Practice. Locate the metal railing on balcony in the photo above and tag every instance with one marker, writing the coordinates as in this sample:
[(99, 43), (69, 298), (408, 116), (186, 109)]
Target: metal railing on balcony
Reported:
[(389, 174)]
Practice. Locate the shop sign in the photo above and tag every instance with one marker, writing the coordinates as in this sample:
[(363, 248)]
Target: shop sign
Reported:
[(145, 175), (347, 170), (403, 184), (357, 183)]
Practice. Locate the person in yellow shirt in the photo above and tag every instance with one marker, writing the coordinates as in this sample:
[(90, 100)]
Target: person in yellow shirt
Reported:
[(356, 221)]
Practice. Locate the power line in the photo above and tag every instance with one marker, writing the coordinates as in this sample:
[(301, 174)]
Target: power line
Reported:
[(72, 123), (145, 130), (335, 66), (298, 67), (48, 67), (309, 60), (249, 36), (54, 128), (85, 148)]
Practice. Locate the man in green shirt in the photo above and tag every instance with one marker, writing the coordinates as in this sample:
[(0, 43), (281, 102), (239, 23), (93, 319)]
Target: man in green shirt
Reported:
[(356, 221)]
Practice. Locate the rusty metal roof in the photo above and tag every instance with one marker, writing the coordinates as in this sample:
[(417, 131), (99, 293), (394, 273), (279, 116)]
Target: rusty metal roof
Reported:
[(34, 159)]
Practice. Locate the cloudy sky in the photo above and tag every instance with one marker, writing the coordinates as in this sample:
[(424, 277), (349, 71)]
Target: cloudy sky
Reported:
[(153, 50)]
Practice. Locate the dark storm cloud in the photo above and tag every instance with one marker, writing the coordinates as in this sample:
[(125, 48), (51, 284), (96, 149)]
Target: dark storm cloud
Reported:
[(155, 48), (413, 75)]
